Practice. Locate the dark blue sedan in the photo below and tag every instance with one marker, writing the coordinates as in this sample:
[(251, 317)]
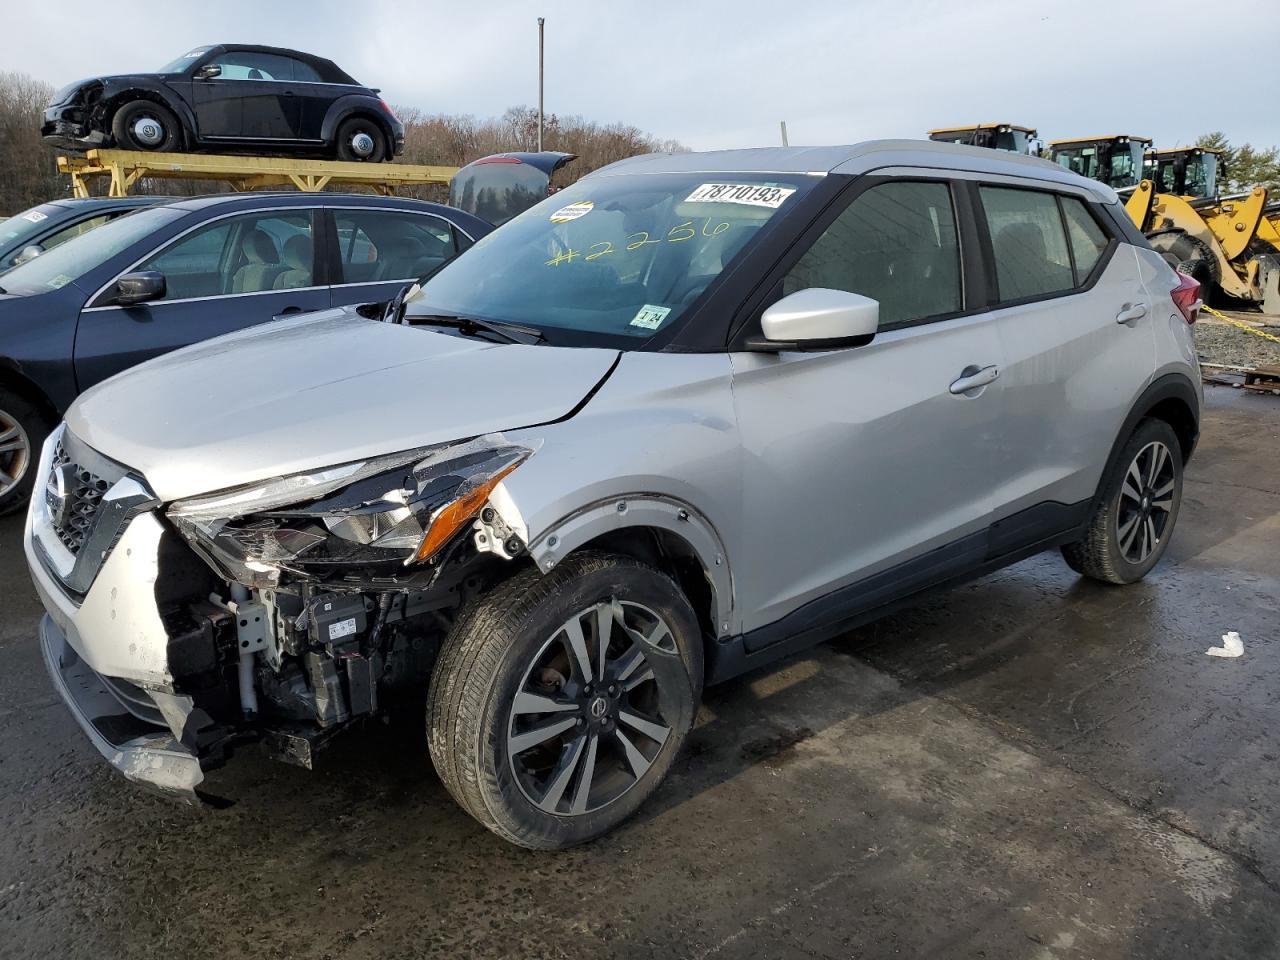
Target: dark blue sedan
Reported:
[(170, 275)]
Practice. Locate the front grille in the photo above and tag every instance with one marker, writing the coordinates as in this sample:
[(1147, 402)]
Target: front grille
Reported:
[(85, 492)]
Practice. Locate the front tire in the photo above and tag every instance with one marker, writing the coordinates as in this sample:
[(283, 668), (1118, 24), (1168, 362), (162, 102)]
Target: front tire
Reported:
[(1131, 525), (22, 433), (559, 700), (146, 125), (361, 140)]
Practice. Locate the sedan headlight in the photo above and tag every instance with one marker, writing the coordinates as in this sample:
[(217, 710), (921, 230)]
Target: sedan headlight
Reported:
[(384, 511)]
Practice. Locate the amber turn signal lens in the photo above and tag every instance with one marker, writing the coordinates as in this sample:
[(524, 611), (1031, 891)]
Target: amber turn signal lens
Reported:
[(454, 515)]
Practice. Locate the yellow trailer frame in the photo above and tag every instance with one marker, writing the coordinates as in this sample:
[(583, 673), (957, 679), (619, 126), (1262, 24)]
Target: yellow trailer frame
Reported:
[(127, 167)]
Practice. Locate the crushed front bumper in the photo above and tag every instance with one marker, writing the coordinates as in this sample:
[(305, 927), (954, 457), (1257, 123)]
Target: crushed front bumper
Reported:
[(142, 752), (65, 125)]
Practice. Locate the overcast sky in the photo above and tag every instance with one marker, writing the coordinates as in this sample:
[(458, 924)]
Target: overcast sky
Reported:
[(716, 73)]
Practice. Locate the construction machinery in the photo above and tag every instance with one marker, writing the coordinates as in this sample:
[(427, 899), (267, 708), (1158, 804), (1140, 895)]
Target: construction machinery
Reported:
[(1172, 196), (997, 136)]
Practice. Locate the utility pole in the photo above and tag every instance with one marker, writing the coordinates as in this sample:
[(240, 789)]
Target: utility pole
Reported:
[(541, 21), (784, 134)]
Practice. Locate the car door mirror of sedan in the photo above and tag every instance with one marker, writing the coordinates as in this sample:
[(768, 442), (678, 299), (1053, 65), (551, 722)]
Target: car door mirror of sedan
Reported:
[(209, 71), (139, 287), (29, 252), (817, 319)]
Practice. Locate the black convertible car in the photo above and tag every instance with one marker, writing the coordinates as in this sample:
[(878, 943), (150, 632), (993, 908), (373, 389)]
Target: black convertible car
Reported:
[(229, 98)]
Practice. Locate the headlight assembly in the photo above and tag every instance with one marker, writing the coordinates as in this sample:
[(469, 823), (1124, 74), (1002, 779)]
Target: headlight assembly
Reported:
[(384, 512)]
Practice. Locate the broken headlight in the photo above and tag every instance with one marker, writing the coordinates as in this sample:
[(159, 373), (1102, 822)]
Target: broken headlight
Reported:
[(382, 512)]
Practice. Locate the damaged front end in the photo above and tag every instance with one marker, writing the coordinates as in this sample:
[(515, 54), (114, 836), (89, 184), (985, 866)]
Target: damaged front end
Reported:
[(284, 610)]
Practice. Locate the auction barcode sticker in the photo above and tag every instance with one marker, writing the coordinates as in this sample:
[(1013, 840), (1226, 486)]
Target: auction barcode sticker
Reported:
[(751, 194)]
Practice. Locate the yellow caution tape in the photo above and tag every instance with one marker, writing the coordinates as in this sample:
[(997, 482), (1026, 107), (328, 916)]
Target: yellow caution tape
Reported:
[(1243, 326)]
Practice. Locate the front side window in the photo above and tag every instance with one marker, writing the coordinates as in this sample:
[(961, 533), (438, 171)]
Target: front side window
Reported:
[(1029, 243), (897, 244), (612, 259), (378, 245), (246, 254)]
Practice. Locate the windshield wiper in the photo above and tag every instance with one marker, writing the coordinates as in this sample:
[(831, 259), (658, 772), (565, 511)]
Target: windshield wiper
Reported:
[(470, 326)]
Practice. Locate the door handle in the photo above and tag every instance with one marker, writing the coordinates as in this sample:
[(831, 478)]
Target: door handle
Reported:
[(287, 312), (971, 378), (1130, 312)]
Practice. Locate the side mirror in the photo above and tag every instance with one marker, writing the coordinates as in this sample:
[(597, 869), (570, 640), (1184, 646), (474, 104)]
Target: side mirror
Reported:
[(29, 252), (139, 288), (209, 72), (817, 319)]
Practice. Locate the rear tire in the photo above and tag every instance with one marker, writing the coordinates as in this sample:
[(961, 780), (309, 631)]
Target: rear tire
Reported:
[(1132, 523), (1189, 255), (515, 665), (146, 125), (361, 140), (23, 429)]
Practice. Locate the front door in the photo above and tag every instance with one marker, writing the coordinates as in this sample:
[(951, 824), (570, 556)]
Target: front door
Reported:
[(232, 273), (870, 462), (252, 98)]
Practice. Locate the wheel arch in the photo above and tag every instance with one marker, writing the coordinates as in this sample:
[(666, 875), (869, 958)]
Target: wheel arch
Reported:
[(113, 100), (347, 107), (1172, 398), (13, 378), (663, 531)]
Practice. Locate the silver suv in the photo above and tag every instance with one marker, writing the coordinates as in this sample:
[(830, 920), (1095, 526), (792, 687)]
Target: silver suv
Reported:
[(690, 415)]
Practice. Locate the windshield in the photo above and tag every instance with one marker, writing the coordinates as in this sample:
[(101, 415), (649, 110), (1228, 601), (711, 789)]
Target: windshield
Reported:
[(611, 257), (72, 260), (1202, 175), (17, 231), (1126, 164), (184, 62)]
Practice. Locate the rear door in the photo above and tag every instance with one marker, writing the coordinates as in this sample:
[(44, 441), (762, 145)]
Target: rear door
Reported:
[(1074, 322), (379, 251), (230, 273), (863, 463)]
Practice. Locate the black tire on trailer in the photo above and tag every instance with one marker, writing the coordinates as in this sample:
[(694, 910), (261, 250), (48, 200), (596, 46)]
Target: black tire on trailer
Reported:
[(1137, 509), (361, 139), (542, 732), (23, 429), (146, 125)]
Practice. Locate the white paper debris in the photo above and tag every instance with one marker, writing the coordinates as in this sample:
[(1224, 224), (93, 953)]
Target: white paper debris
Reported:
[(1232, 646)]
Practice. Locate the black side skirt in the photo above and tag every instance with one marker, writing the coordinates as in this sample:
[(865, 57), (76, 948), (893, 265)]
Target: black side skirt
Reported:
[(1007, 541)]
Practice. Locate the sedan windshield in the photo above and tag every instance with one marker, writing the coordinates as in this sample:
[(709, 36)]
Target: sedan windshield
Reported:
[(72, 260), (611, 258), (18, 229)]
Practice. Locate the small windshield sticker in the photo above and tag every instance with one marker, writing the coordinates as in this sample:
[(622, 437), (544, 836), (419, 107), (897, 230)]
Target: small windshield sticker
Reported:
[(35, 216), (750, 194), (572, 212), (58, 282), (650, 317)]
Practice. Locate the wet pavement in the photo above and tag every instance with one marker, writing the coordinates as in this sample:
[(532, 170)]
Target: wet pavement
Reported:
[(1029, 766)]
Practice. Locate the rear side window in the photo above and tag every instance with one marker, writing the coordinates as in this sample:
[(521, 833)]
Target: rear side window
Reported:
[(1088, 241), (383, 245), (1029, 242), (896, 243)]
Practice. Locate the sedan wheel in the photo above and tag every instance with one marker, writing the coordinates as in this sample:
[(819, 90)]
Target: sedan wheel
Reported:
[(15, 453)]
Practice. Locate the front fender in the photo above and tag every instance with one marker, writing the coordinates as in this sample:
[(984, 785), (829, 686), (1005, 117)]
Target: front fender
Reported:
[(644, 511), (118, 91)]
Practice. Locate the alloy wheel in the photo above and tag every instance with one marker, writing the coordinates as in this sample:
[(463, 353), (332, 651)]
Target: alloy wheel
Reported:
[(15, 452), (1146, 502), (587, 720)]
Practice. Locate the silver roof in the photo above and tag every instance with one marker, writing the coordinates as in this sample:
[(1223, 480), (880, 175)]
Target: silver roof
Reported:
[(859, 158)]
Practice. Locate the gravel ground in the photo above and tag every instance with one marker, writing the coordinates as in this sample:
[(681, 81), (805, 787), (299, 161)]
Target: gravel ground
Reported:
[(1219, 342)]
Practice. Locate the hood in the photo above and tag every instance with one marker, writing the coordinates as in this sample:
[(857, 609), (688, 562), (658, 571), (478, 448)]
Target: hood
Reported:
[(318, 390), (67, 92)]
